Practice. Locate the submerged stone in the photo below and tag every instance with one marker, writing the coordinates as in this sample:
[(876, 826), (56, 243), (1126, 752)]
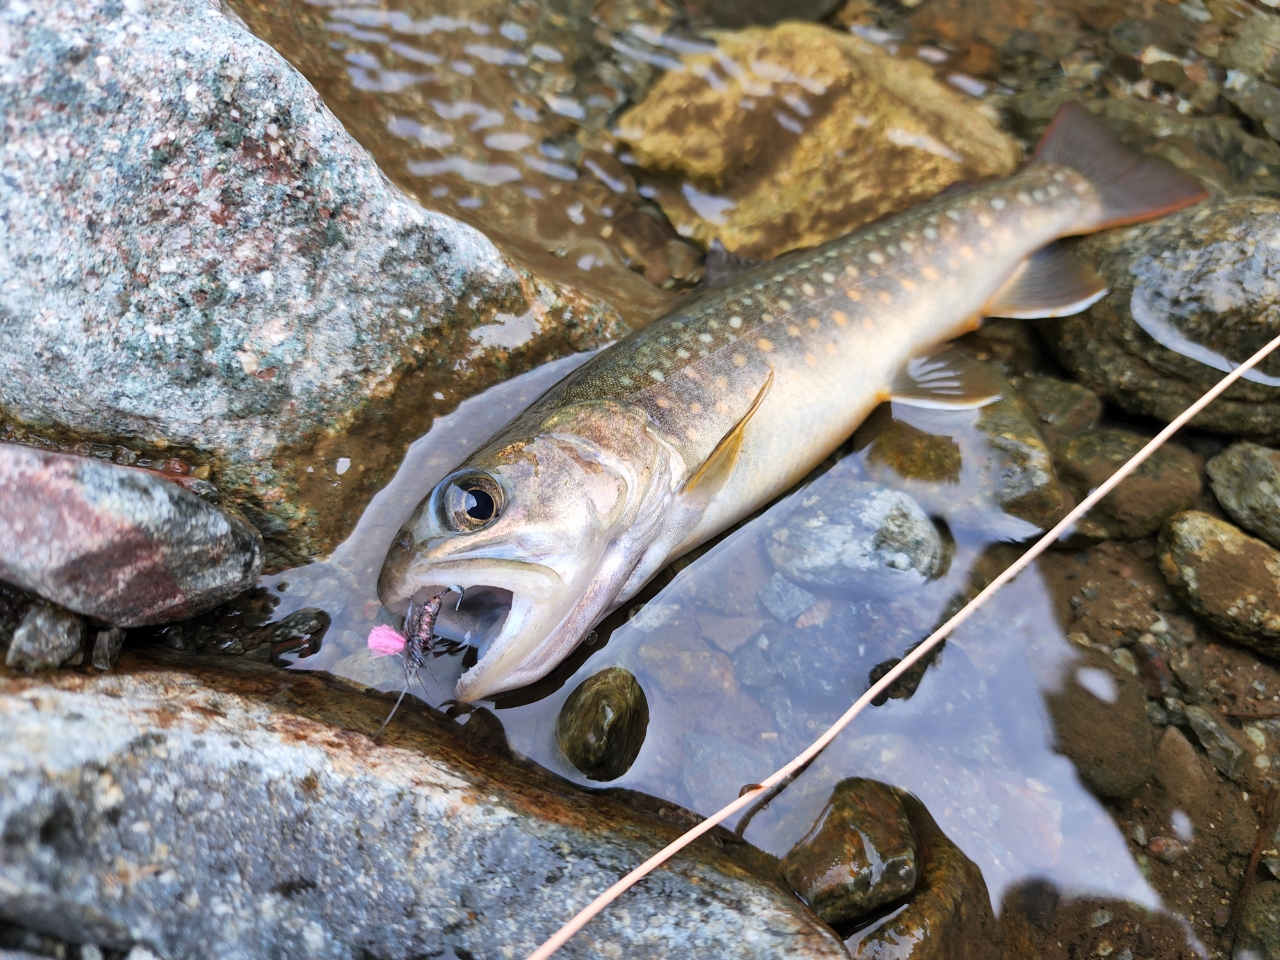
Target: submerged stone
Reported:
[(1064, 409), (856, 535), (1225, 576), (1227, 755), (1166, 483), (268, 799), (1259, 934), (213, 268), (859, 853), (760, 152), (601, 727), (124, 546), (1192, 295), (784, 600), (1246, 481), (47, 637)]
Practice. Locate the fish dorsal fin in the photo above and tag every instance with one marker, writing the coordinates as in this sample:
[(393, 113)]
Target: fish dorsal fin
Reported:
[(722, 266), (709, 477), (1049, 283), (945, 380)]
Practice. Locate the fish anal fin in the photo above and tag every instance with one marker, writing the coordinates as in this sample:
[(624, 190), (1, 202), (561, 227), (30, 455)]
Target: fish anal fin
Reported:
[(1049, 283), (709, 477), (945, 379)]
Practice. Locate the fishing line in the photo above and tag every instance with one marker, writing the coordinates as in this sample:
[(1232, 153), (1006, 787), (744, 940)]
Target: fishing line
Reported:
[(584, 916)]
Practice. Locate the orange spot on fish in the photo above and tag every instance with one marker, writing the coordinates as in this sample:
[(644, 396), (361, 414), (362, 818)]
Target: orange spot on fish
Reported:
[(739, 360), (966, 252), (836, 315), (721, 408), (810, 359), (764, 345), (851, 271), (722, 383), (929, 273), (953, 263), (663, 402), (853, 294), (831, 348), (695, 408), (868, 324), (793, 331), (884, 297), (907, 283), (813, 323), (691, 433), (807, 289)]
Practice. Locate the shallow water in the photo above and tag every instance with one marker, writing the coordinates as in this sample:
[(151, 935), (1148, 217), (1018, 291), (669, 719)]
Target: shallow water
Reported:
[(501, 115)]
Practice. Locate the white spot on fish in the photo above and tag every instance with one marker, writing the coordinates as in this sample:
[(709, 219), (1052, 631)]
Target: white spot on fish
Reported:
[(657, 375), (704, 337), (828, 277), (1038, 195), (930, 233), (954, 214), (1023, 197), (784, 306), (906, 246), (807, 289), (682, 353), (735, 322), (997, 203), (875, 256)]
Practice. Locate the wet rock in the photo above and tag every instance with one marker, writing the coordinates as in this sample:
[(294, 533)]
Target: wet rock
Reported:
[(858, 854), (47, 637), (1101, 721), (199, 259), (1166, 483), (761, 158), (1246, 481), (856, 535), (1259, 933), (1227, 755), (121, 545), (1179, 772), (106, 647), (949, 914), (1225, 576), (784, 600), (226, 787), (1192, 294), (745, 13), (1064, 409), (1256, 99), (601, 727), (989, 468)]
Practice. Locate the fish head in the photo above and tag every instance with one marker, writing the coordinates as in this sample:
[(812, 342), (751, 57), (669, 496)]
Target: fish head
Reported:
[(539, 531)]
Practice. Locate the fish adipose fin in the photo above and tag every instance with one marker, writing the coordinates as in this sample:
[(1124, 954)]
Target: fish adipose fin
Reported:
[(945, 380), (716, 468), (1130, 185), (1049, 283)]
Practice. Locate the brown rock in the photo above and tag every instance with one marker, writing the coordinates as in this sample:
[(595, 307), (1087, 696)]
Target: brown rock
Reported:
[(949, 916), (1228, 578), (858, 854), (811, 134), (1179, 772), (1101, 721), (1064, 409), (1165, 483)]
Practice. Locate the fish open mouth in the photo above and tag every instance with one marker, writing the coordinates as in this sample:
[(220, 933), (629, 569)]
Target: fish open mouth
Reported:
[(494, 606)]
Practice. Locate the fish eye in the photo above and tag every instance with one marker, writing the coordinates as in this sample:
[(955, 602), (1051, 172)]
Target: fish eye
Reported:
[(472, 502)]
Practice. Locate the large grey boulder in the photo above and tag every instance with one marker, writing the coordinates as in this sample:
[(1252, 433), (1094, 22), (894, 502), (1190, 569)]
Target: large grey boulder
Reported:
[(196, 258), (226, 813)]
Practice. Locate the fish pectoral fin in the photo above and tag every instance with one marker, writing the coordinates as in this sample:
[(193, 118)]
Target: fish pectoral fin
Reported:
[(945, 379), (1049, 283), (715, 470), (722, 266)]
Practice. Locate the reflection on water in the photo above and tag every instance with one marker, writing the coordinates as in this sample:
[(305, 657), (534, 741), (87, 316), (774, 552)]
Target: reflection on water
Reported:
[(733, 690)]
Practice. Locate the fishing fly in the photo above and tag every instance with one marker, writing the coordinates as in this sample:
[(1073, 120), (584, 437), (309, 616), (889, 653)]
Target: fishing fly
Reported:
[(414, 646)]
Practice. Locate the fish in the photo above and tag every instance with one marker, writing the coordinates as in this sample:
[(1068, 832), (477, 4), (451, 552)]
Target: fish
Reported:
[(678, 431)]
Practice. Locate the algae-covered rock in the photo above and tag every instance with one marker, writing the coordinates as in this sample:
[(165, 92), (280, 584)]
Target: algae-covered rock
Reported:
[(859, 853), (1064, 408), (1246, 481), (1225, 576), (1192, 295), (803, 134), (602, 725), (1166, 483), (857, 535)]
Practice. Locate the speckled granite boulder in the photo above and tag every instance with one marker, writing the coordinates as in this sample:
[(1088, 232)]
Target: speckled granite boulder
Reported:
[(195, 256), (1246, 480), (1191, 294), (225, 813), (122, 545)]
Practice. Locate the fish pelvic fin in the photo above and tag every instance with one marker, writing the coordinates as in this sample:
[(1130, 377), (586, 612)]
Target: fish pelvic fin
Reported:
[(715, 470), (1049, 283), (945, 379), (1131, 186)]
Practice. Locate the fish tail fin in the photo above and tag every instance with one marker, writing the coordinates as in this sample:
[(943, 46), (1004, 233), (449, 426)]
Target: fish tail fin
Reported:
[(1131, 186)]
